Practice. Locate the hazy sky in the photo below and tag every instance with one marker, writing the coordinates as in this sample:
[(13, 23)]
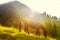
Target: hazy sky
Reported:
[(51, 7)]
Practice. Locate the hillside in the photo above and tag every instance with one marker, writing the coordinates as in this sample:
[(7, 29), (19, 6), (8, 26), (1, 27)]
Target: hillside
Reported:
[(19, 22), (13, 34)]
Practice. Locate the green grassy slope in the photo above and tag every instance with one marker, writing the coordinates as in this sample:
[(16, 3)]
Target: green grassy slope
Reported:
[(13, 34), (58, 32)]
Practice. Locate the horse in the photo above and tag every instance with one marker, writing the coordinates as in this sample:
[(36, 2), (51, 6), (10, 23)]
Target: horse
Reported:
[(36, 26)]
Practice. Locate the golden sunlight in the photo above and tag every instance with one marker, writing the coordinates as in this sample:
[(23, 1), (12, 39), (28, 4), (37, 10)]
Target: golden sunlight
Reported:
[(50, 6)]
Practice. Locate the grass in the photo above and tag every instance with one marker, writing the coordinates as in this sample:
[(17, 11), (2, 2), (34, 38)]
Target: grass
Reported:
[(58, 32), (13, 34)]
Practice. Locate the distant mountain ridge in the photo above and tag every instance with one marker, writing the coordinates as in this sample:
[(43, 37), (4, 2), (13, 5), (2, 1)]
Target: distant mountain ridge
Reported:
[(13, 10)]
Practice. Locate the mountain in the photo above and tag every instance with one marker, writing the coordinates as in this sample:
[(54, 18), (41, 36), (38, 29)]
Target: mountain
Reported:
[(11, 11), (14, 10)]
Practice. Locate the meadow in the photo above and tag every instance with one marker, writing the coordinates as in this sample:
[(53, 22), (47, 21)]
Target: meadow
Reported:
[(13, 34)]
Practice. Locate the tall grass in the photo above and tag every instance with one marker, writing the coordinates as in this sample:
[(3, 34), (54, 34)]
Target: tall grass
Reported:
[(13, 34)]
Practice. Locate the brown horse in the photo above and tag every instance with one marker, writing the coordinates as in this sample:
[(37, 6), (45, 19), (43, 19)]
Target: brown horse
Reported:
[(36, 26), (33, 25)]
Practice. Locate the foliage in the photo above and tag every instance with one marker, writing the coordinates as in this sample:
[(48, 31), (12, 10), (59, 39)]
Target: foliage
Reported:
[(13, 34)]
